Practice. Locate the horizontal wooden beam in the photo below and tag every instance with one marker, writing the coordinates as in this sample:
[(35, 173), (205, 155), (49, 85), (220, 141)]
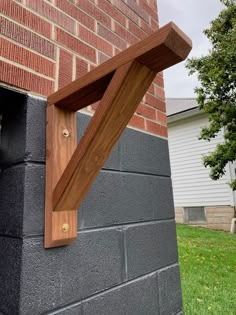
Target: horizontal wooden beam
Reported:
[(162, 49), (127, 88)]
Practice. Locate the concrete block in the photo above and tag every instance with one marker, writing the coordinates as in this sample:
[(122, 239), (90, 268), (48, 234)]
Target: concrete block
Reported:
[(169, 291), (74, 310), (34, 198), (10, 275), (113, 162), (136, 298), (117, 198), (36, 129), (22, 200), (132, 152), (150, 247), (23, 128), (13, 126), (59, 276), (144, 153), (12, 201)]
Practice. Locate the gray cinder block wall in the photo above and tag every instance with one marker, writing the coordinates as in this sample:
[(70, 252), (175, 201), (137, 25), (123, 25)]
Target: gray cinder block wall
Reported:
[(125, 258)]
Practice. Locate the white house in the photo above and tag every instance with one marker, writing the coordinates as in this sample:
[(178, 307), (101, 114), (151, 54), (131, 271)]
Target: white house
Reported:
[(198, 199)]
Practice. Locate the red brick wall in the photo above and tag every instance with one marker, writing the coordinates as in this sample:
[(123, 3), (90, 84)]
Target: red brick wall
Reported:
[(45, 44)]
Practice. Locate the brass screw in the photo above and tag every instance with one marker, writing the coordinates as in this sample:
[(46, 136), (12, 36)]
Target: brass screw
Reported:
[(66, 133), (65, 227)]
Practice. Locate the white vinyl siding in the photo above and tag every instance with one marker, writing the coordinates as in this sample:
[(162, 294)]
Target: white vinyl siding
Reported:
[(192, 185)]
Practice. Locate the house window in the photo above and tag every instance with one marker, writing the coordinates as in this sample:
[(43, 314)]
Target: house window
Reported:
[(194, 215)]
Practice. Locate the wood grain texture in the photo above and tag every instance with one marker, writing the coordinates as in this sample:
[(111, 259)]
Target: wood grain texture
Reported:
[(120, 83), (162, 49), (59, 152), (128, 85)]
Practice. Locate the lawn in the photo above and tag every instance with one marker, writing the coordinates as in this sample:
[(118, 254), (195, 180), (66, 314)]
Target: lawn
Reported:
[(208, 271)]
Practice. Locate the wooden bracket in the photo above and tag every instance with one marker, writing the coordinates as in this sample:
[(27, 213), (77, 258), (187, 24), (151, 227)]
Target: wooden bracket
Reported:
[(120, 84)]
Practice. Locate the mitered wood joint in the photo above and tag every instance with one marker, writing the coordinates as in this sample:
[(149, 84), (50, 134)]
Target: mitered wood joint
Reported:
[(120, 84)]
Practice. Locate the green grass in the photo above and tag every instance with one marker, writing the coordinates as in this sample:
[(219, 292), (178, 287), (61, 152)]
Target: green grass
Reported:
[(208, 271)]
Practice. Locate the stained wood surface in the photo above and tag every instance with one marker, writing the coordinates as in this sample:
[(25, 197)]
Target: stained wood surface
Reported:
[(128, 86), (162, 49), (59, 152), (120, 83)]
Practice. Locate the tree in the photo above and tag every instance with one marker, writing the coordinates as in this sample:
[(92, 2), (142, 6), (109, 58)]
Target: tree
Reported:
[(216, 95)]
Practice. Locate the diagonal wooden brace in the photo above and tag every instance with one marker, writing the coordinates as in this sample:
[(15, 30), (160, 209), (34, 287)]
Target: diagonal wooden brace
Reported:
[(120, 83)]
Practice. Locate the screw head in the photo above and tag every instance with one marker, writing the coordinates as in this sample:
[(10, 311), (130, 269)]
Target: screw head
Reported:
[(66, 133), (65, 227)]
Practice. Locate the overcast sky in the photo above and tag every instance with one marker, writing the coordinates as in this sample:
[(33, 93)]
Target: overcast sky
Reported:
[(192, 16)]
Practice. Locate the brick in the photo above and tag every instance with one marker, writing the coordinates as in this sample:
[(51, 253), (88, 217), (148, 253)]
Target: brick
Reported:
[(164, 131), (25, 17), (94, 40), (52, 14), (137, 298), (148, 9), (125, 34), (137, 122), (155, 102), (161, 117), (102, 57), (118, 198), (120, 5), (159, 92), (150, 247), (81, 67), (136, 30), (156, 128), (111, 37), (26, 38), (117, 50), (65, 275), (92, 67), (65, 68), (146, 111), (151, 89), (145, 27), (26, 58), (94, 12), (153, 4), (169, 290), (76, 13), (154, 25), (153, 127), (75, 44), (159, 80), (21, 78), (138, 10), (107, 7)]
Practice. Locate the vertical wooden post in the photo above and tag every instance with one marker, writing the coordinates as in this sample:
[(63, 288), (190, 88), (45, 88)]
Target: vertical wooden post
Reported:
[(60, 227)]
